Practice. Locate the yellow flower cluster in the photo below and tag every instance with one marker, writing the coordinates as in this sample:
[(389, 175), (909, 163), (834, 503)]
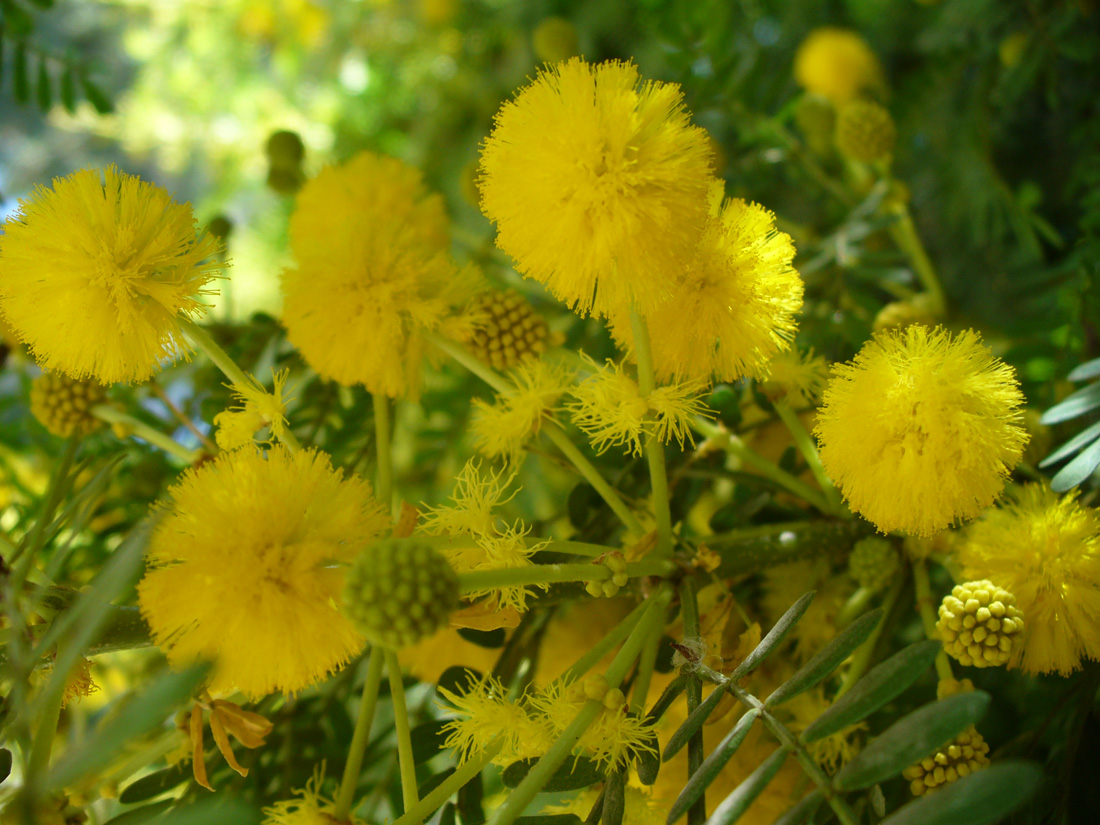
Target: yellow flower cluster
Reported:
[(980, 624), (837, 64), (257, 409), (63, 405), (502, 428)]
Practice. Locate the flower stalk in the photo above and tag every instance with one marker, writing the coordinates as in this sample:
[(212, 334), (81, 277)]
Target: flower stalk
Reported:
[(360, 736)]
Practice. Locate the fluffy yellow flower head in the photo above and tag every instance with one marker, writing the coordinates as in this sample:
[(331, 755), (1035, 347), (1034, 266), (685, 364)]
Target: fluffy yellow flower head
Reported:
[(837, 64), (597, 183), (372, 274), (96, 273), (733, 307), (1046, 551), (501, 429), (484, 715), (243, 568), (921, 429), (257, 409)]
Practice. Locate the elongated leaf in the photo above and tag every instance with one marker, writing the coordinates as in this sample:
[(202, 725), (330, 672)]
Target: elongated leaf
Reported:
[(20, 86), (427, 739), (1077, 470), (827, 659), (874, 690), (549, 819), (664, 702), (1079, 403), (218, 811), (648, 763), (153, 784), (43, 88), (1086, 436), (569, 777), (982, 798), (1085, 371), (775, 636), (68, 90), (143, 712), (734, 805), (471, 802), (802, 811), (448, 815), (146, 813), (614, 798), (693, 723), (96, 97), (5, 764), (912, 738), (700, 780)]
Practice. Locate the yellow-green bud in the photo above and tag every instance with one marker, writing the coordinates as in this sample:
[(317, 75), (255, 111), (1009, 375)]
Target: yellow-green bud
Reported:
[(901, 314), (63, 405), (968, 752), (873, 563), (286, 180), (220, 227), (865, 131), (285, 149), (512, 331), (979, 624), (554, 39), (399, 592)]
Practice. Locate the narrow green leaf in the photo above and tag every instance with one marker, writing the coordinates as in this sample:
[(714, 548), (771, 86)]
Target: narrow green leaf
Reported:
[(43, 88), (457, 677), (17, 21), (745, 794), (20, 86), (614, 798), (1079, 403), (448, 815), (875, 689), (571, 776), (910, 739), (96, 97), (1086, 436), (153, 784), (982, 798), (471, 798), (699, 781), (665, 700), (491, 639), (146, 813), (827, 659), (68, 90), (427, 739), (141, 713), (693, 723), (549, 819), (1077, 470), (1085, 371), (218, 811), (803, 810), (5, 764), (775, 636), (648, 764)]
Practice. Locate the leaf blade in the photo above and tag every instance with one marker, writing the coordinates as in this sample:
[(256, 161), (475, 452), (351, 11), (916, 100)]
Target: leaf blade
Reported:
[(699, 781), (734, 805), (982, 798), (775, 636)]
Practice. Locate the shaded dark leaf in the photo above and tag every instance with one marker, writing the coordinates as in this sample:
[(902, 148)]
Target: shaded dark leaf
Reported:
[(775, 636), (693, 723), (734, 805), (153, 784), (699, 781), (982, 798), (571, 776)]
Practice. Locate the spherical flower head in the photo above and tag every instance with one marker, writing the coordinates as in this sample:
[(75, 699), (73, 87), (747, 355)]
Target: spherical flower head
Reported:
[(511, 332), (921, 429), (733, 307), (837, 64), (597, 184), (399, 592), (980, 624), (1045, 549), (372, 274), (874, 563), (501, 429), (966, 753), (244, 569), (798, 376), (919, 309), (98, 272), (554, 39), (63, 405), (865, 131)]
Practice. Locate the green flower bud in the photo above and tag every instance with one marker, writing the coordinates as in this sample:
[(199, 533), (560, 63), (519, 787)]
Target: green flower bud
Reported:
[(63, 405), (873, 563)]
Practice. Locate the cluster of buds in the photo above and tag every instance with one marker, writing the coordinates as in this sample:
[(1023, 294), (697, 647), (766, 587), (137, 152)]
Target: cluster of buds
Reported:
[(873, 563), (512, 330), (64, 405), (616, 563), (979, 624)]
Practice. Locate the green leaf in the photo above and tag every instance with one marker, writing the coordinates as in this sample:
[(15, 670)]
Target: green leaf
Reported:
[(648, 766), (141, 713), (982, 798), (1079, 403), (448, 815), (699, 781), (827, 659), (802, 811), (43, 4), (218, 811), (775, 636), (665, 700), (20, 87), (43, 88), (153, 784), (745, 794), (457, 677), (5, 764), (1077, 470), (614, 798), (68, 90), (571, 776), (492, 639), (146, 813), (427, 739), (471, 797), (96, 97), (1085, 371), (549, 819), (693, 723), (1073, 445), (875, 689), (17, 21), (912, 738)]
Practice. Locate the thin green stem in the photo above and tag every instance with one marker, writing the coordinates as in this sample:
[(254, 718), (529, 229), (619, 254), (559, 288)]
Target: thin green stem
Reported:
[(926, 606), (384, 442), (142, 430), (905, 236), (689, 609), (805, 444), (480, 580), (401, 727), (360, 736), (861, 659), (654, 450), (639, 700), (32, 544), (470, 361), (595, 653), (453, 783)]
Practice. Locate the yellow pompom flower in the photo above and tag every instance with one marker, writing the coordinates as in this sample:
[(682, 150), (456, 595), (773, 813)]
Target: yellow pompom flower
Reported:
[(98, 272), (500, 429), (372, 274), (243, 569), (483, 715), (257, 409), (597, 184), (837, 64), (733, 307), (1045, 549), (800, 376), (921, 429)]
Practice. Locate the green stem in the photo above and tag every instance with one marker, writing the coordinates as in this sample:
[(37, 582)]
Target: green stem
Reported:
[(360, 736), (806, 446), (654, 450), (39, 761), (646, 662), (926, 606), (142, 430), (453, 783), (470, 361), (32, 544), (383, 439), (401, 726), (689, 608), (861, 659), (905, 236), (480, 580), (724, 439)]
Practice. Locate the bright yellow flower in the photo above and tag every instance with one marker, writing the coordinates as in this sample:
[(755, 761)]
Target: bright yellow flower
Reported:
[(98, 272), (310, 809), (258, 408), (597, 184), (484, 715), (1046, 551), (475, 496), (372, 274), (836, 63), (801, 376), (921, 428), (243, 568), (502, 428)]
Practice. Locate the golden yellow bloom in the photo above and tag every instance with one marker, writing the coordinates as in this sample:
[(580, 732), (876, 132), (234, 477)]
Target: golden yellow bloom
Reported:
[(484, 715), (597, 184), (372, 274), (734, 305), (1045, 549), (801, 376), (501, 429), (475, 496), (554, 39), (258, 408), (921, 429), (243, 568), (63, 405), (837, 64), (310, 809), (98, 271)]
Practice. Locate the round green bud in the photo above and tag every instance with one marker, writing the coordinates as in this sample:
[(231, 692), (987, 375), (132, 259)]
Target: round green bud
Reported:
[(285, 181), (285, 149), (399, 592), (220, 227), (873, 563), (865, 131)]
